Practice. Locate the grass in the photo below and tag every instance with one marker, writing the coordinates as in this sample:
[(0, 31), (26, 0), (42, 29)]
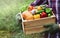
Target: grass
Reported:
[(8, 23)]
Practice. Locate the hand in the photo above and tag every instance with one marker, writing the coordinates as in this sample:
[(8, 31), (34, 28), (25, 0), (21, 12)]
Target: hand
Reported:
[(18, 18), (51, 28), (59, 26)]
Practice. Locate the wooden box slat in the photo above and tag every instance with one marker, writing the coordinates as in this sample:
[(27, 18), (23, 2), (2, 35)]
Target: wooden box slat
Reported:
[(39, 22), (34, 29)]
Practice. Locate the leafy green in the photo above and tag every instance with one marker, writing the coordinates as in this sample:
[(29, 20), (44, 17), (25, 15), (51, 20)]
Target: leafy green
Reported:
[(48, 10)]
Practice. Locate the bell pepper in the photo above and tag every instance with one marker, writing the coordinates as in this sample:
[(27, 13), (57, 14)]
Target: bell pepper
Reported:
[(43, 14), (39, 8), (37, 16)]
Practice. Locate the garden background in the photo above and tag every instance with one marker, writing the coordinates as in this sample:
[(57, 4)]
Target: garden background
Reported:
[(8, 24)]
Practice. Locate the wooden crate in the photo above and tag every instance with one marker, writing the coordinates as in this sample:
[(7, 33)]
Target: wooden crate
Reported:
[(36, 26)]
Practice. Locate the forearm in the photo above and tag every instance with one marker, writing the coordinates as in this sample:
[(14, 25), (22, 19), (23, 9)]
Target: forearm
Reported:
[(39, 2), (35, 2)]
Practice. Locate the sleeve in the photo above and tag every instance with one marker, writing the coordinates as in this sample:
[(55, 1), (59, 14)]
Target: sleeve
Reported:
[(39, 2)]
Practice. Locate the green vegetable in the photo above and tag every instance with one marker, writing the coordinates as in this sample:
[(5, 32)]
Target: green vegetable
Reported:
[(49, 15), (48, 10), (40, 11)]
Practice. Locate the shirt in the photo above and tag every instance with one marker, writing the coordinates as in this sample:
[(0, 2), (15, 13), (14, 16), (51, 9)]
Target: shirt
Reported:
[(54, 4)]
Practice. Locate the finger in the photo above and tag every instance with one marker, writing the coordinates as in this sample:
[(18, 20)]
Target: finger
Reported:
[(44, 31)]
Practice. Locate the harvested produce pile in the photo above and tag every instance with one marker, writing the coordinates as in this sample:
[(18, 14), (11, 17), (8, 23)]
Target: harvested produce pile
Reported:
[(37, 12)]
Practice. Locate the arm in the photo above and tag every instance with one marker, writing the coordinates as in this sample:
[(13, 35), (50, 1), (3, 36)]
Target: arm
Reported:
[(39, 2)]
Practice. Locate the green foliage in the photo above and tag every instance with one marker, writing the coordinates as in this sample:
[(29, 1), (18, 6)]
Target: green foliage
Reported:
[(8, 11), (24, 8)]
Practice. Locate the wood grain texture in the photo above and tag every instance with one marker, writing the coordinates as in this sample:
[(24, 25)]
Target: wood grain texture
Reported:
[(36, 26)]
